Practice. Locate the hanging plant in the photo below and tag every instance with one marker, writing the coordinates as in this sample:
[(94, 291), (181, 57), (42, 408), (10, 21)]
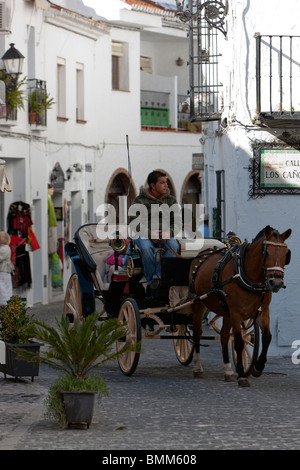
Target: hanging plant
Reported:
[(15, 96)]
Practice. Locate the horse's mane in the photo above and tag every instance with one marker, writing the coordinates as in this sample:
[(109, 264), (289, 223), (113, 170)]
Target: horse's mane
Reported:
[(262, 232)]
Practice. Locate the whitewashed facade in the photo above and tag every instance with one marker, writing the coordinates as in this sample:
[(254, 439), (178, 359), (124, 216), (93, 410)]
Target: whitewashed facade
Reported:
[(229, 144), (66, 42), (83, 147)]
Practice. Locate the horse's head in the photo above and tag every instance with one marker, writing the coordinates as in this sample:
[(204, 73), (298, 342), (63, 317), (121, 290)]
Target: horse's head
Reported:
[(275, 256)]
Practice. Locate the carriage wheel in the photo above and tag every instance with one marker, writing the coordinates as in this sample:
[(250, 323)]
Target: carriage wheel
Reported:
[(72, 302), (251, 345), (184, 349), (129, 314)]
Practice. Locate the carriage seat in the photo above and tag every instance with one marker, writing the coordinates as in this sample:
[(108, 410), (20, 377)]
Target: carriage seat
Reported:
[(99, 250), (190, 248)]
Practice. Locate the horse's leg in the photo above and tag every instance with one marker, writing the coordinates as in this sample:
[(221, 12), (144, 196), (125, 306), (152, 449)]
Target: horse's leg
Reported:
[(197, 317), (225, 333), (239, 346), (266, 337)]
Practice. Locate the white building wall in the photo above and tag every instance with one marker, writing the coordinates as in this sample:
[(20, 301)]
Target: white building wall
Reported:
[(231, 150), (99, 143)]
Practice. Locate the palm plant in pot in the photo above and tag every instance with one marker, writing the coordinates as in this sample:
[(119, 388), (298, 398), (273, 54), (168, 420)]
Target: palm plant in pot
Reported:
[(77, 351), (16, 332), (38, 102)]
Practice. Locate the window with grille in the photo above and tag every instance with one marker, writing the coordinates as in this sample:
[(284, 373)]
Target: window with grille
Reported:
[(204, 80)]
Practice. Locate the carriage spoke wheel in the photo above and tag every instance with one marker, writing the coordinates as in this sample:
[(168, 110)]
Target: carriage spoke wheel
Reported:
[(72, 302), (184, 348), (250, 335), (129, 314)]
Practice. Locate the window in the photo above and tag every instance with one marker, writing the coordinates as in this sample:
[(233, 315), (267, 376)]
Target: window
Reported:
[(204, 80), (79, 92), (115, 73), (120, 72), (61, 88), (146, 64)]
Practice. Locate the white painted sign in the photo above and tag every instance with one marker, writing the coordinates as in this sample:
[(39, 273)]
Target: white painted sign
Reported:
[(280, 168)]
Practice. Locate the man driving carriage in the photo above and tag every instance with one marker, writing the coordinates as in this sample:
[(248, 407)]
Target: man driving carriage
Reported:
[(159, 220)]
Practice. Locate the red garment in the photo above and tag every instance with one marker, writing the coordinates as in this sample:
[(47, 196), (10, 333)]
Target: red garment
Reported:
[(156, 197), (15, 241), (22, 223)]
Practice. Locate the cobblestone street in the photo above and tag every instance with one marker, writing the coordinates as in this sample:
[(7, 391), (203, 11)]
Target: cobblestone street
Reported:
[(162, 407)]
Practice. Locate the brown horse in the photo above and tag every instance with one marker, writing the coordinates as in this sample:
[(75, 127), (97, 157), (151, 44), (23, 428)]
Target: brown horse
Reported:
[(239, 285)]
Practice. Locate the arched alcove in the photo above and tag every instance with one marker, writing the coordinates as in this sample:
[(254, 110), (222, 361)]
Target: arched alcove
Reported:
[(120, 184), (191, 192)]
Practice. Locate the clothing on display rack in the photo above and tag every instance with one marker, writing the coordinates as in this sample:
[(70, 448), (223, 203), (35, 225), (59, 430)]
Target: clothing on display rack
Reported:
[(19, 227)]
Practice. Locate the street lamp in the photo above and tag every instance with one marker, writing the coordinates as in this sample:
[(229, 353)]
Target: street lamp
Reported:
[(13, 61)]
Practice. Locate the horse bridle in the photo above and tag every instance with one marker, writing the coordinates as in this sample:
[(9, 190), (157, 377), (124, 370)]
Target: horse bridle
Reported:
[(279, 271), (271, 272)]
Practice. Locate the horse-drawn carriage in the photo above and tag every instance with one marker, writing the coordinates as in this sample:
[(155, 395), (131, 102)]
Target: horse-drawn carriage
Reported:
[(168, 312)]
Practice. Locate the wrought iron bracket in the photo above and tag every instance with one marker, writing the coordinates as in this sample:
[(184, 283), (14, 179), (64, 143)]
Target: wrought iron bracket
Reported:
[(214, 13)]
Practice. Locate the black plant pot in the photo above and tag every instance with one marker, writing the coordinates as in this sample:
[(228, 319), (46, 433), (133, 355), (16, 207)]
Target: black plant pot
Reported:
[(19, 367), (78, 407)]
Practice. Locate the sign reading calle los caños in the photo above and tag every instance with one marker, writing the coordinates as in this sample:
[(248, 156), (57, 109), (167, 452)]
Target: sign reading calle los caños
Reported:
[(280, 169)]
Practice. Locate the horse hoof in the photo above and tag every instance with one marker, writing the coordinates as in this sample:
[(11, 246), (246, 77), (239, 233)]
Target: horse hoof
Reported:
[(255, 372), (243, 382), (198, 374), (229, 378)]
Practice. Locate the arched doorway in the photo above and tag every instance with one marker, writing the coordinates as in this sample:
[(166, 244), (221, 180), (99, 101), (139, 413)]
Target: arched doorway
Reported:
[(120, 193), (191, 193)]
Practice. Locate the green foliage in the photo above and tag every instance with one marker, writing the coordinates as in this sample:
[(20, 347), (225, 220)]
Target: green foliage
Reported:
[(39, 101), (53, 401), (15, 96), (76, 349), (16, 324)]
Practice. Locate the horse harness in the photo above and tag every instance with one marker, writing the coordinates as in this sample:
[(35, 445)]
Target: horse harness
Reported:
[(236, 252)]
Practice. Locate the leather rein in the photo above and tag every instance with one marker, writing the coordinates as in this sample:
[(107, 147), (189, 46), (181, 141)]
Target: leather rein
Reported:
[(236, 252)]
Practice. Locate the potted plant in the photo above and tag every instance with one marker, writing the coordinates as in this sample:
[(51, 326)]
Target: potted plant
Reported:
[(77, 350), (38, 102), (16, 332), (14, 94)]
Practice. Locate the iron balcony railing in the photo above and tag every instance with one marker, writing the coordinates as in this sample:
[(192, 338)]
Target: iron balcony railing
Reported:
[(37, 102), (277, 75)]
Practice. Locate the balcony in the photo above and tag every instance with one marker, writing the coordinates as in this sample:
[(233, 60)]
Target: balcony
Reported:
[(155, 109), (277, 81), (12, 98), (38, 102), (161, 107)]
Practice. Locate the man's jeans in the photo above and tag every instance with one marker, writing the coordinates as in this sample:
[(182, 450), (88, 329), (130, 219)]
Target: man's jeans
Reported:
[(151, 264)]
